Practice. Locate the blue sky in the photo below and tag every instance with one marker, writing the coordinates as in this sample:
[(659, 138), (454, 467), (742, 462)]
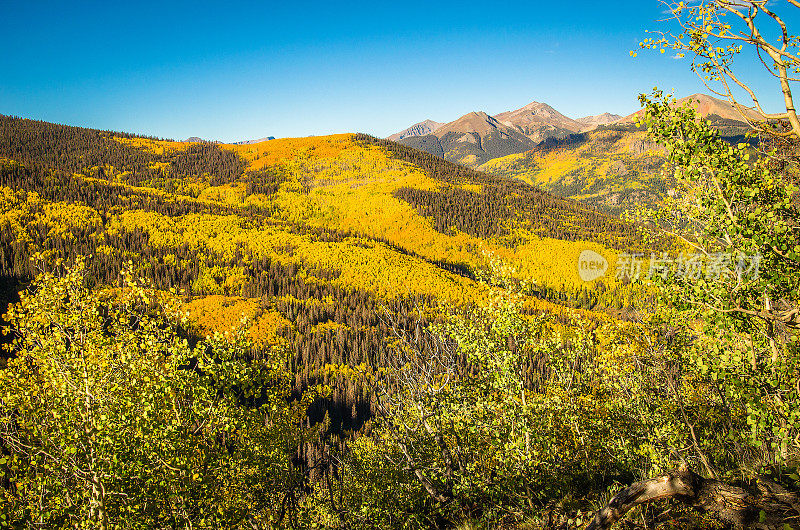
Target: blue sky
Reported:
[(243, 70)]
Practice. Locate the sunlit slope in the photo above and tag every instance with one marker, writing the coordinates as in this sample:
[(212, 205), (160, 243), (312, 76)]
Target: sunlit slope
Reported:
[(359, 185), (388, 218), (315, 241), (611, 168), (213, 241)]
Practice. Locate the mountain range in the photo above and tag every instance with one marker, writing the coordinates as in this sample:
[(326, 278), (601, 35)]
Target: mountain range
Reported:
[(602, 160), (539, 121), (592, 122), (476, 137)]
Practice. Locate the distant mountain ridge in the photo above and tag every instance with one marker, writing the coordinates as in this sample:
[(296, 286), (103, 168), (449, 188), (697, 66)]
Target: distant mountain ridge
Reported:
[(418, 129), (539, 121), (251, 142), (706, 106), (612, 166), (592, 122), (476, 137), (472, 139)]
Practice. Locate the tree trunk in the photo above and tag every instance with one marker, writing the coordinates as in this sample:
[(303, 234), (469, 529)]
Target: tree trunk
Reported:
[(764, 505)]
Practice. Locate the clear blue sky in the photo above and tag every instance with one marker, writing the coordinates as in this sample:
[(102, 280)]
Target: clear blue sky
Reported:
[(243, 70)]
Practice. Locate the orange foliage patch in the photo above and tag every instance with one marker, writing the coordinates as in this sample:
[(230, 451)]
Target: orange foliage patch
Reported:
[(282, 150), (221, 313), (225, 313)]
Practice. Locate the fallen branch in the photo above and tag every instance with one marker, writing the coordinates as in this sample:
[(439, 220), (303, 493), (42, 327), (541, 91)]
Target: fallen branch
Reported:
[(765, 505)]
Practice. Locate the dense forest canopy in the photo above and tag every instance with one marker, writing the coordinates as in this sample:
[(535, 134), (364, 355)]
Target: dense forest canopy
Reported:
[(347, 332)]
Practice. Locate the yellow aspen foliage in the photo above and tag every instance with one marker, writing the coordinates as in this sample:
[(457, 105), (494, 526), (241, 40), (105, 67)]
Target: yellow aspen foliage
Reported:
[(227, 193), (221, 313), (265, 329), (273, 152), (158, 147)]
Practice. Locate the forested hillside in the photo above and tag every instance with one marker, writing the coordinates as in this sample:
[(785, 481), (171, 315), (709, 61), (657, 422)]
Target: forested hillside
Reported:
[(608, 165), (522, 321), (343, 331), (612, 168), (310, 238)]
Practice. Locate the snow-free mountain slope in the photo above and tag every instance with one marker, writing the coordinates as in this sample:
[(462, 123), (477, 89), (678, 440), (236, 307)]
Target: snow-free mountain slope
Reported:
[(477, 137), (418, 129), (539, 121), (472, 139), (592, 122), (708, 106)]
